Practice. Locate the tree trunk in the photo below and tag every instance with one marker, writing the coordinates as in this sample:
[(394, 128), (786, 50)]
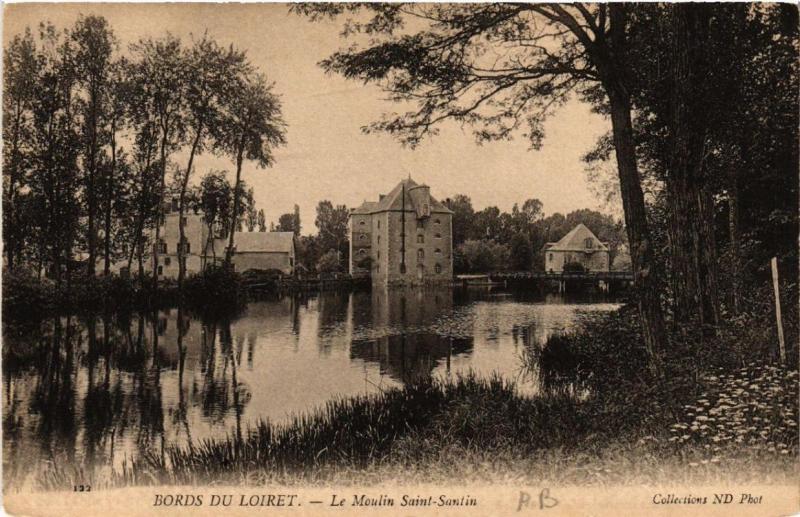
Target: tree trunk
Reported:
[(641, 247), (692, 241), (13, 229), (209, 242), (236, 201), (160, 208), (110, 201), (182, 209), (142, 214), (709, 262), (734, 235), (645, 277), (140, 260), (91, 238)]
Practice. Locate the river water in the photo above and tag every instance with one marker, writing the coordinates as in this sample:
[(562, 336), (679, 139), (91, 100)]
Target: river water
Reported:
[(101, 390)]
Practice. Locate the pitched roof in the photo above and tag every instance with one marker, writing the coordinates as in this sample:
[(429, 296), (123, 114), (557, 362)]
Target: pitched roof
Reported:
[(366, 208), (394, 201), (575, 241), (264, 242)]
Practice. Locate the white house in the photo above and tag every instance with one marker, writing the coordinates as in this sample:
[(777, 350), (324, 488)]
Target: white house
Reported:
[(579, 246)]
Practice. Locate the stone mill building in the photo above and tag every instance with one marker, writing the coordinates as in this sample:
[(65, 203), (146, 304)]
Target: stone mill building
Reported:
[(404, 238)]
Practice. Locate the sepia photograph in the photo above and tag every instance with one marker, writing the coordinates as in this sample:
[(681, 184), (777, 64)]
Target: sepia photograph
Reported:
[(400, 259)]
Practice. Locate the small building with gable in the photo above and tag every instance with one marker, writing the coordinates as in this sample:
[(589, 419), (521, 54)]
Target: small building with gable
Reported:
[(264, 251), (404, 238), (252, 250), (579, 246)]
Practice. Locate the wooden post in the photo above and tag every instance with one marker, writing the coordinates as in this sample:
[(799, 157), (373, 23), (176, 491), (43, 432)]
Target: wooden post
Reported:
[(778, 318)]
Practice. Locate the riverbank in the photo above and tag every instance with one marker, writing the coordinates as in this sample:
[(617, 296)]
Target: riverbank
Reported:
[(479, 430), (604, 426), (27, 297)]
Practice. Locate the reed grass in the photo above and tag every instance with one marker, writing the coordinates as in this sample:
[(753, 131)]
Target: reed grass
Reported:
[(467, 428)]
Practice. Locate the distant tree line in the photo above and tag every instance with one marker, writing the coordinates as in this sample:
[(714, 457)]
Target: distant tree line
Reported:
[(491, 240), (95, 141)]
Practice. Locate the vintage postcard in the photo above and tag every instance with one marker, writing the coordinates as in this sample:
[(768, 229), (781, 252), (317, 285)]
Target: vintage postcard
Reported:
[(407, 259)]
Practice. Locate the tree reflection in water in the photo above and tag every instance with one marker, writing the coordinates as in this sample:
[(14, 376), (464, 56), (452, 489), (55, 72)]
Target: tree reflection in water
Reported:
[(107, 388)]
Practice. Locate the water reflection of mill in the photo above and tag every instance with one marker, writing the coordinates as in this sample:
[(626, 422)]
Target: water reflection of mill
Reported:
[(408, 344)]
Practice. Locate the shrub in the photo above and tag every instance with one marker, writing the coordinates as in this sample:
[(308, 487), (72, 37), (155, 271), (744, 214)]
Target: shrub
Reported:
[(605, 357), (482, 256), (25, 296), (329, 262), (216, 290)]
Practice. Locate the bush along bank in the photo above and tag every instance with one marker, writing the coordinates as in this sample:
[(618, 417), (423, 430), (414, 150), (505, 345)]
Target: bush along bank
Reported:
[(718, 400), (26, 297), (216, 291)]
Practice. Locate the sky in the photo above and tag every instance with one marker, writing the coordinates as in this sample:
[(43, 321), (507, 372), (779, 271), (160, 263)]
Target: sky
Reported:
[(327, 155)]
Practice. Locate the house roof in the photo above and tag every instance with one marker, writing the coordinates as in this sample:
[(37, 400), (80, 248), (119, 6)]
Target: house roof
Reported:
[(366, 208), (264, 242), (575, 241), (394, 201)]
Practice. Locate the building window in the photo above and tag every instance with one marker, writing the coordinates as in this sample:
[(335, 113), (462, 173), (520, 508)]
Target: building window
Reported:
[(379, 223), (437, 222), (186, 247), (420, 223), (438, 251), (174, 204), (362, 251), (402, 269), (420, 239), (160, 270), (550, 257), (587, 243), (438, 235), (437, 268), (420, 255), (183, 221), (379, 253), (361, 223), (379, 239), (167, 261), (362, 237)]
